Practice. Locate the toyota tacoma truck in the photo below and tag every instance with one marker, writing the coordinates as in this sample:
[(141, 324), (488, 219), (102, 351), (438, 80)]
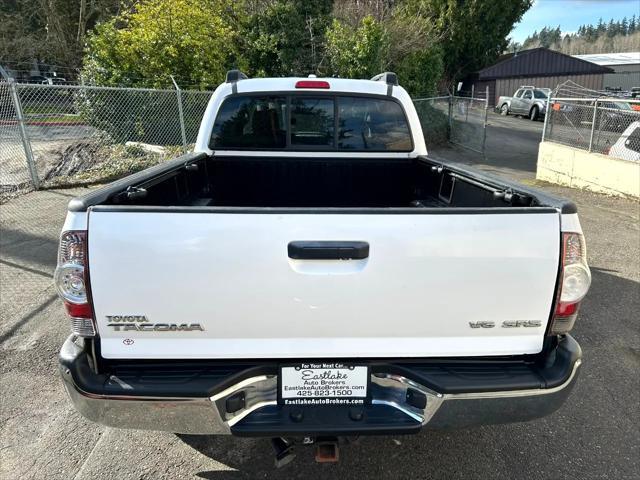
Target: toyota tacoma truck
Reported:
[(528, 101), (309, 272)]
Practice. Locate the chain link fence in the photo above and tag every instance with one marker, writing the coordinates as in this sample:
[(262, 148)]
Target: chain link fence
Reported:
[(14, 168), (605, 125), (459, 120), (434, 118), (67, 135), (469, 122)]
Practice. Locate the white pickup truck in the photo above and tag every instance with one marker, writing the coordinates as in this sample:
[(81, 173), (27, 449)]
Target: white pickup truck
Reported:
[(309, 271)]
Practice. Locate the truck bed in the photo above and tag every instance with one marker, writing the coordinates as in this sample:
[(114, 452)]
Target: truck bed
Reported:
[(199, 180)]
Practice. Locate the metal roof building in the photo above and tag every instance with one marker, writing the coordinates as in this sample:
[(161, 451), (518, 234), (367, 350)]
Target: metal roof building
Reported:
[(626, 67), (540, 67), (612, 59)]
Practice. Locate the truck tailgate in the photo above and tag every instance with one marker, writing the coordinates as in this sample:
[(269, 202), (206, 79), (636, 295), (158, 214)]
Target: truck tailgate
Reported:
[(171, 284)]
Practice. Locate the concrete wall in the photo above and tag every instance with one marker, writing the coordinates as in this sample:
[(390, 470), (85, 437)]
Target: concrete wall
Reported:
[(580, 169)]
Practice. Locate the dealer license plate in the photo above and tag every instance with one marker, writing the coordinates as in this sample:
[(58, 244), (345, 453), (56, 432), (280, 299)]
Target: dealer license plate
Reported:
[(323, 383)]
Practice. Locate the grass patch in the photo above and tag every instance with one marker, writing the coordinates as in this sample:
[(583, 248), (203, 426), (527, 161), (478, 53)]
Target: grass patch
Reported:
[(55, 119), (42, 109)]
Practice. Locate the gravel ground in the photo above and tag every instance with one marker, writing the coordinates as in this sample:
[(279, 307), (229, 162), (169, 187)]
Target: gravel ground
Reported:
[(595, 435)]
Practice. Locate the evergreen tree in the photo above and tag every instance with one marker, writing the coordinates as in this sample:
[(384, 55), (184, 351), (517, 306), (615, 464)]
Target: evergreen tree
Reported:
[(466, 47), (604, 36), (544, 37)]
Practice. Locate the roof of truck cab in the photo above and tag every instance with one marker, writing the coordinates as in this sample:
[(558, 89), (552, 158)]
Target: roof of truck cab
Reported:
[(343, 85)]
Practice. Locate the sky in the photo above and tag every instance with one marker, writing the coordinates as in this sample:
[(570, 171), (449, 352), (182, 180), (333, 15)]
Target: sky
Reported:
[(570, 14)]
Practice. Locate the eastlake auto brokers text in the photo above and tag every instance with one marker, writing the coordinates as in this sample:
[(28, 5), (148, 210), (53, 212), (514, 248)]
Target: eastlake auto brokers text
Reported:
[(329, 384)]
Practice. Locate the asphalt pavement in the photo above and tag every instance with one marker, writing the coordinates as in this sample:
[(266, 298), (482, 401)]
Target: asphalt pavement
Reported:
[(595, 435)]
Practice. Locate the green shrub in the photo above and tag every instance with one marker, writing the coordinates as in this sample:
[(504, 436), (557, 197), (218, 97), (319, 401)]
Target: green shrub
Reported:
[(434, 121), (132, 115)]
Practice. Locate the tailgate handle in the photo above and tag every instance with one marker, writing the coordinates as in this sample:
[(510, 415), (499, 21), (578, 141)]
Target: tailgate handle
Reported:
[(332, 250)]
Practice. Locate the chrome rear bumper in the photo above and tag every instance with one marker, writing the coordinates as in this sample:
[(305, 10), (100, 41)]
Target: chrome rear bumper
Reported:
[(389, 392)]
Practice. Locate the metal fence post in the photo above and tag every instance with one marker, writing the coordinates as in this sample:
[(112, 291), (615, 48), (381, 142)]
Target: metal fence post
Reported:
[(546, 117), (486, 115), (450, 116), (180, 113), (593, 124), (26, 144)]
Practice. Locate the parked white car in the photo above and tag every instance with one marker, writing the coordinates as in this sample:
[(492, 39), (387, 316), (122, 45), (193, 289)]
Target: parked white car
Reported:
[(309, 271), (628, 145)]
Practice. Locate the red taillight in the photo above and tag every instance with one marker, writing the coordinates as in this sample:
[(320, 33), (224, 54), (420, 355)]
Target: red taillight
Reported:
[(636, 107), (79, 311), (312, 84), (564, 309), (72, 281), (575, 280)]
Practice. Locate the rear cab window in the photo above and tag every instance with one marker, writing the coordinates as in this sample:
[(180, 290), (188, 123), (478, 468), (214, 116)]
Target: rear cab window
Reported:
[(311, 122), (372, 124), (251, 122)]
